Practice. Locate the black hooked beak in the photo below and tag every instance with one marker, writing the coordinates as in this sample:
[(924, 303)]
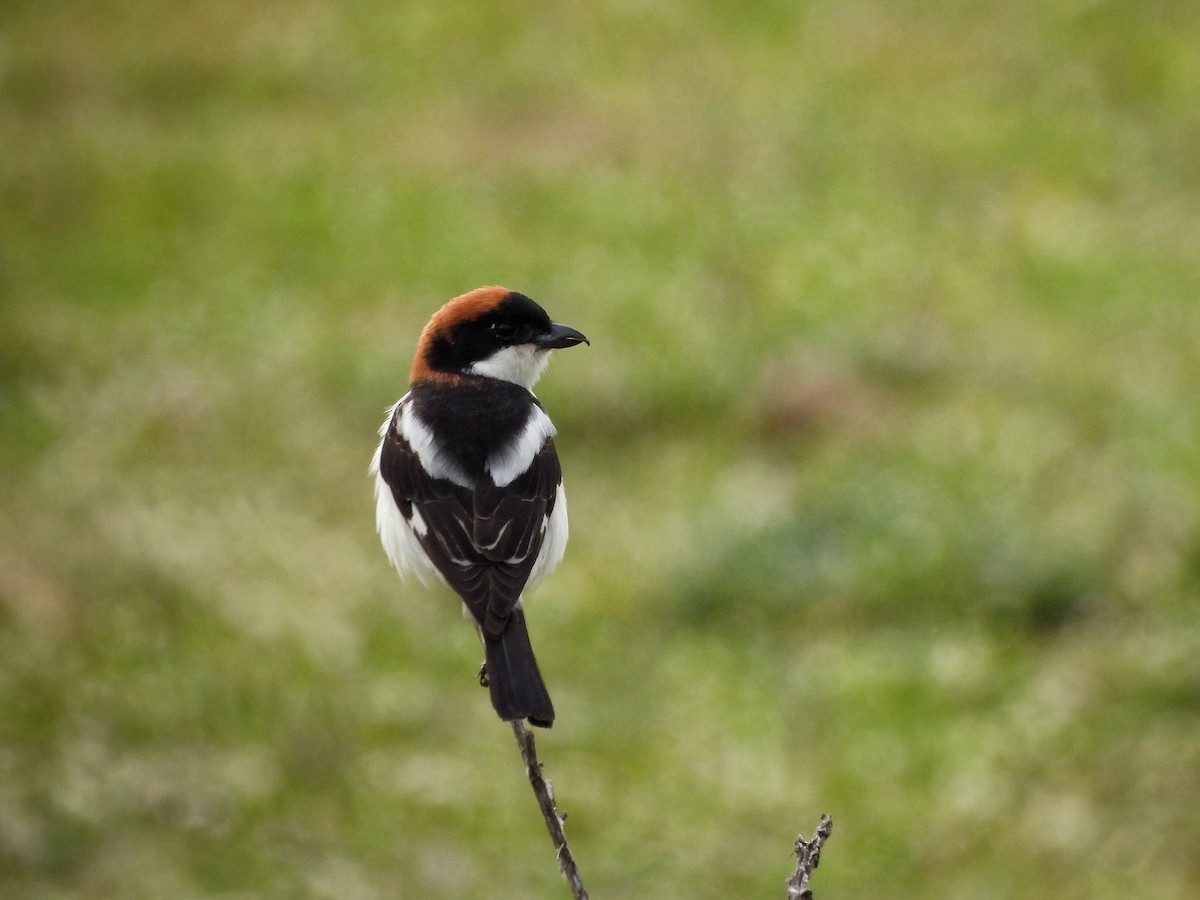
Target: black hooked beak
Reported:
[(560, 336)]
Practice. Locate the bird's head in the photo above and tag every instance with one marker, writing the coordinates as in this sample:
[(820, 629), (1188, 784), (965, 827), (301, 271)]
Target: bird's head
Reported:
[(494, 332)]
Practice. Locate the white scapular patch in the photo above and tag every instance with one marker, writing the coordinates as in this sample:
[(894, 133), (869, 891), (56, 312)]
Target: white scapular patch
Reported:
[(554, 542), (522, 364), (514, 458), (420, 438)]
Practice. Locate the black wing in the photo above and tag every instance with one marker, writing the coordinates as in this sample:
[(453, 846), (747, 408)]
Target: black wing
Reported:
[(485, 540), (509, 526)]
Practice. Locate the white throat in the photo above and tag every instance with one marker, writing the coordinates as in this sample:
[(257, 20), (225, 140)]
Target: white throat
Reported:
[(522, 364)]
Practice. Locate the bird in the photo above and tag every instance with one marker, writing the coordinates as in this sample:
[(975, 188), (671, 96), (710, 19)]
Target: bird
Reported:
[(468, 485)]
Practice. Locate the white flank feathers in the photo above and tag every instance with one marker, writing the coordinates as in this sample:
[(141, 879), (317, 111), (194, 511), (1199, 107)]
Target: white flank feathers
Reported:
[(397, 534), (554, 544)]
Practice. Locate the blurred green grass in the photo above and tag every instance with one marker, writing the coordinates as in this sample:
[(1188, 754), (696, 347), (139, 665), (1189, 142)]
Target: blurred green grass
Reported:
[(883, 463)]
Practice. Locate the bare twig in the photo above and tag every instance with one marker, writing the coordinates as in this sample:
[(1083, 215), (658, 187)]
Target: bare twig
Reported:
[(554, 822), (808, 857)]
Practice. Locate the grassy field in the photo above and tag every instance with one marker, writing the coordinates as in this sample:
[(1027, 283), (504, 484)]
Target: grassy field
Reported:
[(884, 462)]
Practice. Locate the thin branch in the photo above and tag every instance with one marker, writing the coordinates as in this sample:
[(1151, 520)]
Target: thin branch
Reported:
[(808, 857), (554, 822)]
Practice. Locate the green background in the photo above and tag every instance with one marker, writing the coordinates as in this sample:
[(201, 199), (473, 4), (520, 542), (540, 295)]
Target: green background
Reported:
[(883, 464)]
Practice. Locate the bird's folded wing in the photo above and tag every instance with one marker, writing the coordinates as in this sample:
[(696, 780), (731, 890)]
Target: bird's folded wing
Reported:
[(510, 521), (510, 524)]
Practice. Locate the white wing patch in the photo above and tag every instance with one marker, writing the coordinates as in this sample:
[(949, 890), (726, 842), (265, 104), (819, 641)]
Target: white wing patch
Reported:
[(512, 461)]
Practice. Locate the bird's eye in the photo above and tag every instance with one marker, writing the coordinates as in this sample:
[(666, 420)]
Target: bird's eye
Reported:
[(503, 330)]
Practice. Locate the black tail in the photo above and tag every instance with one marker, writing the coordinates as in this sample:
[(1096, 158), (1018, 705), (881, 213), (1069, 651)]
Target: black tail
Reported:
[(518, 691)]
